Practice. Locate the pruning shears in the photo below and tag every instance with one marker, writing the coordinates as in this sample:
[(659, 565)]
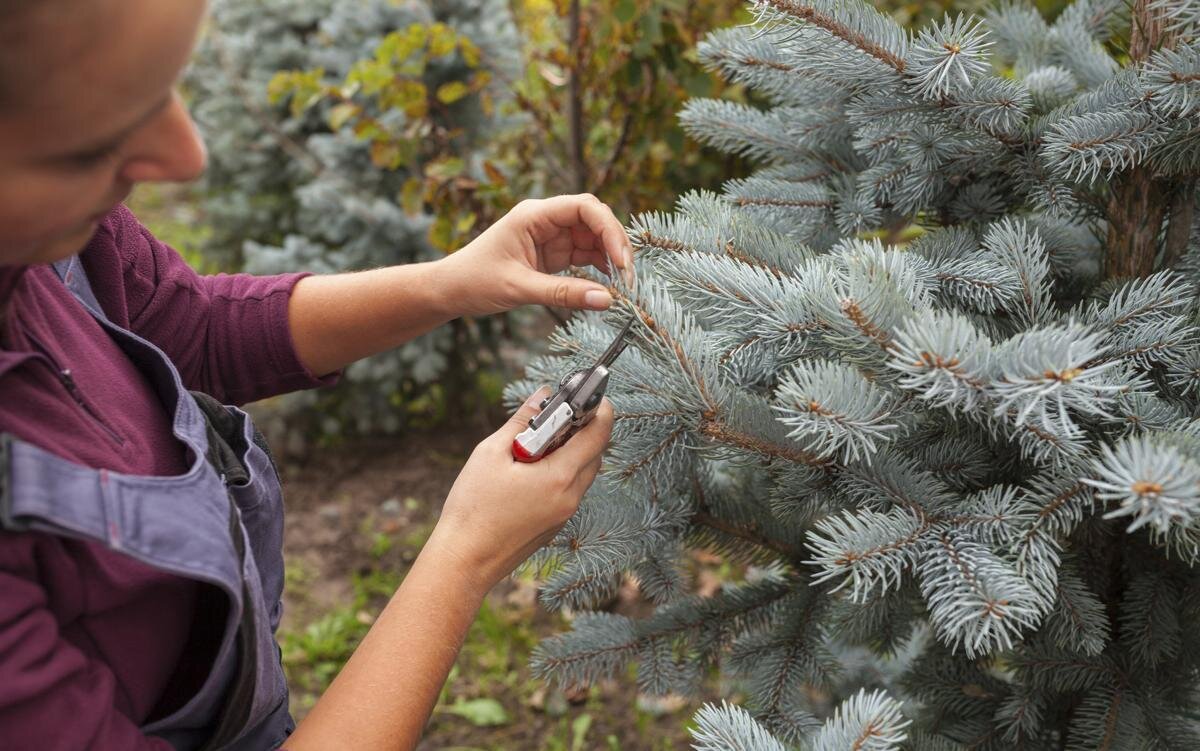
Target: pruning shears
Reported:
[(565, 412)]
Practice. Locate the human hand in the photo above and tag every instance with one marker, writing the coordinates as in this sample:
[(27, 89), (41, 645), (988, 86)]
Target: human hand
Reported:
[(500, 511), (512, 263)]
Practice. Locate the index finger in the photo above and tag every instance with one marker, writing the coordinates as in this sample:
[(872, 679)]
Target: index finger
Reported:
[(586, 209), (589, 442)]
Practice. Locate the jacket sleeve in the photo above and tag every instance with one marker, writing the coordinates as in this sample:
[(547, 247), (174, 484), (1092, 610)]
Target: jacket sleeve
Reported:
[(228, 334), (52, 696)]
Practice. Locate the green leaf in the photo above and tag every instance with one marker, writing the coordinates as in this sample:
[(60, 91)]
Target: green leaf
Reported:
[(370, 75), (444, 169), (480, 712), (625, 10), (579, 731)]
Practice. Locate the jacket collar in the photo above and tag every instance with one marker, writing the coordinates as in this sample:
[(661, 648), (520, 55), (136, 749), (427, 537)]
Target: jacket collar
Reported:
[(10, 281)]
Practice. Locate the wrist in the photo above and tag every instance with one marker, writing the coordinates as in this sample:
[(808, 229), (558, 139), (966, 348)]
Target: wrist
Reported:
[(443, 284), (442, 552)]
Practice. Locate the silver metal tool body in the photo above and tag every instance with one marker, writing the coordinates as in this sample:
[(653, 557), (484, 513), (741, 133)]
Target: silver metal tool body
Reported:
[(570, 407)]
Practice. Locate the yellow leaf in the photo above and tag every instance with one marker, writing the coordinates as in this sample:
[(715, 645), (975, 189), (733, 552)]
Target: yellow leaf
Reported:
[(441, 233), (339, 115), (442, 40), (417, 109), (465, 223), (470, 52), (279, 86), (451, 92), (411, 199), (385, 154)]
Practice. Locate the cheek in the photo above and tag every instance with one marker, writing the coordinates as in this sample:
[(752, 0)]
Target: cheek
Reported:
[(46, 214)]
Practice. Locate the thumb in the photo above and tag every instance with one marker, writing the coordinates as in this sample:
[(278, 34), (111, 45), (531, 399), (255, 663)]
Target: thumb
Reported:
[(520, 419), (569, 292)]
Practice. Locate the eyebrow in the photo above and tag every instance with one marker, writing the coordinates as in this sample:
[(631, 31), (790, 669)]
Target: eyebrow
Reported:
[(121, 135)]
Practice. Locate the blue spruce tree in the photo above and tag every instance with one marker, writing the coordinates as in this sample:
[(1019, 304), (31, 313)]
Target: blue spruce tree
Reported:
[(934, 369)]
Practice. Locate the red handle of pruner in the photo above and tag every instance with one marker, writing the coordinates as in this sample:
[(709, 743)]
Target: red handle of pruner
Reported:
[(522, 454)]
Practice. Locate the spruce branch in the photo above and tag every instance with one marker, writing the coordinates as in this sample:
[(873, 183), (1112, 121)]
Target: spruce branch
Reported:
[(1044, 376), (867, 550), (729, 727), (1154, 483), (836, 410), (1098, 145), (1150, 620), (1077, 621), (1172, 78), (755, 537), (945, 58), (975, 599), (864, 722), (713, 428), (856, 24), (1042, 668), (944, 359)]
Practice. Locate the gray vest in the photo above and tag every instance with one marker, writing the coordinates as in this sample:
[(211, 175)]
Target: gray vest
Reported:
[(220, 523)]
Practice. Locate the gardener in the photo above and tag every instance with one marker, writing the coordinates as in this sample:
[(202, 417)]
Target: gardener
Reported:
[(140, 526)]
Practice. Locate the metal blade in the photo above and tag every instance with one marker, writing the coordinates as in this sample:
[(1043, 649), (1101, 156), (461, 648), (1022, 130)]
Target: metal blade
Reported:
[(606, 359), (617, 347)]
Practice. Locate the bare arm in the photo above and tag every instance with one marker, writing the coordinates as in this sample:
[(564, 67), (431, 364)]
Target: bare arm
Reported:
[(498, 512), (340, 318)]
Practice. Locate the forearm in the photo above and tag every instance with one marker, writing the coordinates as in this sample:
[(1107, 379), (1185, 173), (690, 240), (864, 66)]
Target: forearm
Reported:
[(387, 690), (339, 318)]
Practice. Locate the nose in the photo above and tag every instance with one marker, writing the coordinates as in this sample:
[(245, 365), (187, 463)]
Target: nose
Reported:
[(167, 148)]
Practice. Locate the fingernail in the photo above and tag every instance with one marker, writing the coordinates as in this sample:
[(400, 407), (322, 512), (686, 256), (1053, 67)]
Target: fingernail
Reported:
[(597, 299), (536, 396)]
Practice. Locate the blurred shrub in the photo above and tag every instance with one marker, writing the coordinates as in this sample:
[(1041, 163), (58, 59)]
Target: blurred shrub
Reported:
[(626, 67), (314, 168)]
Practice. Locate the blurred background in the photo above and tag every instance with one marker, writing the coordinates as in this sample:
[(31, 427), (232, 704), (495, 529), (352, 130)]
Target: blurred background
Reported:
[(351, 134)]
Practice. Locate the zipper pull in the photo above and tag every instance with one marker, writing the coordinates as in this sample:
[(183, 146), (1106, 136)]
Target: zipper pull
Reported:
[(69, 382)]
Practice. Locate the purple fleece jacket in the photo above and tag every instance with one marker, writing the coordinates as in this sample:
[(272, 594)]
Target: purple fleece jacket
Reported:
[(92, 643)]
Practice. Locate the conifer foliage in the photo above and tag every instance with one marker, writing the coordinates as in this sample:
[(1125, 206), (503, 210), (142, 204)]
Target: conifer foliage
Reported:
[(933, 371)]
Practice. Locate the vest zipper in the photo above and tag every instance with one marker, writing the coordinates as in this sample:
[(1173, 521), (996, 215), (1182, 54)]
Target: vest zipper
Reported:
[(68, 382)]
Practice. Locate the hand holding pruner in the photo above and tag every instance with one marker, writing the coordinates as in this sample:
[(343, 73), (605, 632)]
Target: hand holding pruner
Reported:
[(570, 407)]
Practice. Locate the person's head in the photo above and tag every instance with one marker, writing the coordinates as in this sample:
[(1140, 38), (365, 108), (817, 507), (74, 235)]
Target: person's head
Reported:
[(87, 109)]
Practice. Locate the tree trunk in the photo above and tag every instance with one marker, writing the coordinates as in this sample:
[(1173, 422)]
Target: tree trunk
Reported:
[(579, 176), (1136, 208), (1138, 202)]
